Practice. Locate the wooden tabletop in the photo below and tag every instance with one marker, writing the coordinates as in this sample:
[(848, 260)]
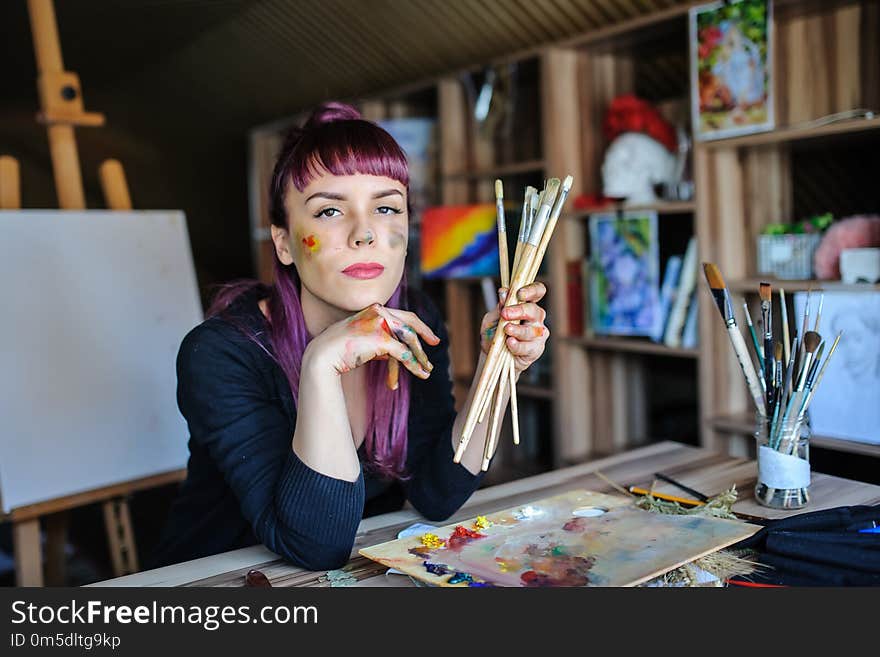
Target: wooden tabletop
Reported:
[(701, 469)]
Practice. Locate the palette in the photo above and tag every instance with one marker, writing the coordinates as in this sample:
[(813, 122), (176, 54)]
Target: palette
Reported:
[(579, 538)]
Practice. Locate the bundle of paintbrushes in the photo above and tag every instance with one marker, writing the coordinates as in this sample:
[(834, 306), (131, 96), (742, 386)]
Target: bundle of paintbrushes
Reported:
[(787, 375), (540, 212)]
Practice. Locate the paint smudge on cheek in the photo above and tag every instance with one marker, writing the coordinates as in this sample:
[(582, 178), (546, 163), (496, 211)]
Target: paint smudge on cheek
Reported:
[(311, 244), (397, 240)]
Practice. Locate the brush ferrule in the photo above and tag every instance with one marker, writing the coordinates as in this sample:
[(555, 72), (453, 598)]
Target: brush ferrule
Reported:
[(722, 300)]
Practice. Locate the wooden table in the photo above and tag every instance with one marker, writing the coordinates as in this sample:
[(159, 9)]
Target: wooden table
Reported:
[(701, 469)]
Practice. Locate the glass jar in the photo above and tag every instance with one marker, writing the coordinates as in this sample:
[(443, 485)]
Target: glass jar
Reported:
[(783, 463)]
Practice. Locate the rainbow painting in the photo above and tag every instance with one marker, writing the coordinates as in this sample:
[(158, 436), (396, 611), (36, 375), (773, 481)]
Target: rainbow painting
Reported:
[(459, 241)]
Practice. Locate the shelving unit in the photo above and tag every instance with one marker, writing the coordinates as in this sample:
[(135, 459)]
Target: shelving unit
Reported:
[(612, 393), (798, 169), (742, 424), (632, 345)]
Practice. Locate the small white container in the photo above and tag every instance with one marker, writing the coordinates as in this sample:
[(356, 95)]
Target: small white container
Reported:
[(860, 265)]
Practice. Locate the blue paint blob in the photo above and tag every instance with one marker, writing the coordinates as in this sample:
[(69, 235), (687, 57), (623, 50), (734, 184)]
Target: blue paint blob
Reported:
[(436, 568), (458, 578)]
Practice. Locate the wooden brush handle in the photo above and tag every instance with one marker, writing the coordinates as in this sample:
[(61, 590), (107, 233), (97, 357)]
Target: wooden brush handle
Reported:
[(742, 355)]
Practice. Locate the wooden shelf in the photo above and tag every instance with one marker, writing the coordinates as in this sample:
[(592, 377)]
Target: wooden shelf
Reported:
[(743, 424), (632, 345), (751, 285), (535, 391), (523, 389), (668, 207), (794, 134), (529, 166)]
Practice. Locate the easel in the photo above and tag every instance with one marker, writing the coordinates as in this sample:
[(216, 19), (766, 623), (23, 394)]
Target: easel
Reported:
[(61, 110)]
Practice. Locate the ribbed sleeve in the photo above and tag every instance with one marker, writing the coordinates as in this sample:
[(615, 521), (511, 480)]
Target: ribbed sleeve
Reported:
[(305, 516)]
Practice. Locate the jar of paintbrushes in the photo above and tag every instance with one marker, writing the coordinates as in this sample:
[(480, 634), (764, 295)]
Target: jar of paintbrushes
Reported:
[(782, 373), (783, 463)]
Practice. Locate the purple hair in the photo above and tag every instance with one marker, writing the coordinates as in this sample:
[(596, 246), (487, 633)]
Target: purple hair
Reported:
[(337, 140)]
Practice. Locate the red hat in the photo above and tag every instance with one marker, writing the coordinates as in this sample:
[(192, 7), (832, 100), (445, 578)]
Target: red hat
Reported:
[(629, 113)]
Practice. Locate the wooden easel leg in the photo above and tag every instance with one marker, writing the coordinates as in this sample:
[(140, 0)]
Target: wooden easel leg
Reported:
[(56, 541), (117, 518), (10, 185), (28, 553)]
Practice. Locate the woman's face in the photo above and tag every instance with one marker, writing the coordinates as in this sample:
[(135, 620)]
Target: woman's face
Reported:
[(347, 237)]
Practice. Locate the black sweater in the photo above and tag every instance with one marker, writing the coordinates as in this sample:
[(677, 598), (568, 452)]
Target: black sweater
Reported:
[(244, 483)]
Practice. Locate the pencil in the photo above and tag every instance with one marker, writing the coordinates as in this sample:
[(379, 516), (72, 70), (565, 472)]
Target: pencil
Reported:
[(687, 489), (663, 496)]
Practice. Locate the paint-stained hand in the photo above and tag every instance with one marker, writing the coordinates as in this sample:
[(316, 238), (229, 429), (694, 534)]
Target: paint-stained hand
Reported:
[(376, 333), (525, 330)]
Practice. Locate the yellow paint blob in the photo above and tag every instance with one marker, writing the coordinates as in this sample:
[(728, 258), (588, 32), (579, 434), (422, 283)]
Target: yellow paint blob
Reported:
[(432, 541), (482, 522)]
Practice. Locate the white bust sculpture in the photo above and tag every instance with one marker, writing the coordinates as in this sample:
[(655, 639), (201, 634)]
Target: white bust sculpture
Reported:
[(634, 163)]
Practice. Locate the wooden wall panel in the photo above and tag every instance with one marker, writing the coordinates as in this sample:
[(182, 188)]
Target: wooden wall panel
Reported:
[(560, 73), (452, 119)]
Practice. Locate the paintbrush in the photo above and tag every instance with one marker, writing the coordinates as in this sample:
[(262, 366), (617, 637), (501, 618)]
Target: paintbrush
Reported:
[(498, 354), (502, 234), (393, 375), (812, 340), (722, 300), (777, 383), (785, 335), (819, 312), (669, 480), (758, 350), (805, 325), (507, 368), (810, 344), (505, 282), (552, 199), (815, 384), (765, 291), (789, 369)]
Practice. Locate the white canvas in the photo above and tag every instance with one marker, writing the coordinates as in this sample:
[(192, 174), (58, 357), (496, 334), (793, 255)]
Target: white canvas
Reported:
[(847, 402), (95, 305)]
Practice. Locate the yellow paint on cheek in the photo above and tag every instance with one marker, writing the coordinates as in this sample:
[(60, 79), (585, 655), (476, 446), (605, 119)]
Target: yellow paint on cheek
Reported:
[(311, 244)]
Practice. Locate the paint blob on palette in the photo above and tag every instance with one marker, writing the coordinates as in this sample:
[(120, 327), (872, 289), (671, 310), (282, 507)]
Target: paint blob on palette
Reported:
[(579, 538)]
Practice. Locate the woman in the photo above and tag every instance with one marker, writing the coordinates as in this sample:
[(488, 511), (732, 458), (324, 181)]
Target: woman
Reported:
[(297, 427)]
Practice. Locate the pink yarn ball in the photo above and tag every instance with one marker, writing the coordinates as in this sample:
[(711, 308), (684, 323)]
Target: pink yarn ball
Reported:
[(854, 232)]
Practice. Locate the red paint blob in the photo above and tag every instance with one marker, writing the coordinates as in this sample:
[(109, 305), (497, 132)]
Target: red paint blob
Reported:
[(461, 536)]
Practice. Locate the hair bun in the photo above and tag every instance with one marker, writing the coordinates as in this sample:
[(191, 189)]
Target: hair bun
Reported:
[(330, 112)]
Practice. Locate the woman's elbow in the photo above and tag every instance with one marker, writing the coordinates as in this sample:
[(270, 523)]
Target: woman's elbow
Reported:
[(310, 554), (329, 559), (439, 511)]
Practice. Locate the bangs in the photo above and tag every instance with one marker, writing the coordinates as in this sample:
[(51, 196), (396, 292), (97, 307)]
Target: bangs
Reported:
[(345, 148)]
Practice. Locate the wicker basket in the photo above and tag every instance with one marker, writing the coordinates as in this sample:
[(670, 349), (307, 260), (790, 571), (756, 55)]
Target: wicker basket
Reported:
[(787, 256)]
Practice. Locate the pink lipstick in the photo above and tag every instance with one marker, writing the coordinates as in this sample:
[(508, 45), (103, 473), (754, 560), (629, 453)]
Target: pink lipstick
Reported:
[(364, 270)]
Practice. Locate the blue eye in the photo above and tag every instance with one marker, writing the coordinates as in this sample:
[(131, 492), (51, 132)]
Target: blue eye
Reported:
[(325, 213), (386, 209)]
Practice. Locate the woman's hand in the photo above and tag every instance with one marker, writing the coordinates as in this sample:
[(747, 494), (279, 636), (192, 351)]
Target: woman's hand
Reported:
[(376, 332), (526, 332)]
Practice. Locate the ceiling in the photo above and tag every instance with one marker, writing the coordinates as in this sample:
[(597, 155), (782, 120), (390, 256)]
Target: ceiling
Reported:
[(238, 63)]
